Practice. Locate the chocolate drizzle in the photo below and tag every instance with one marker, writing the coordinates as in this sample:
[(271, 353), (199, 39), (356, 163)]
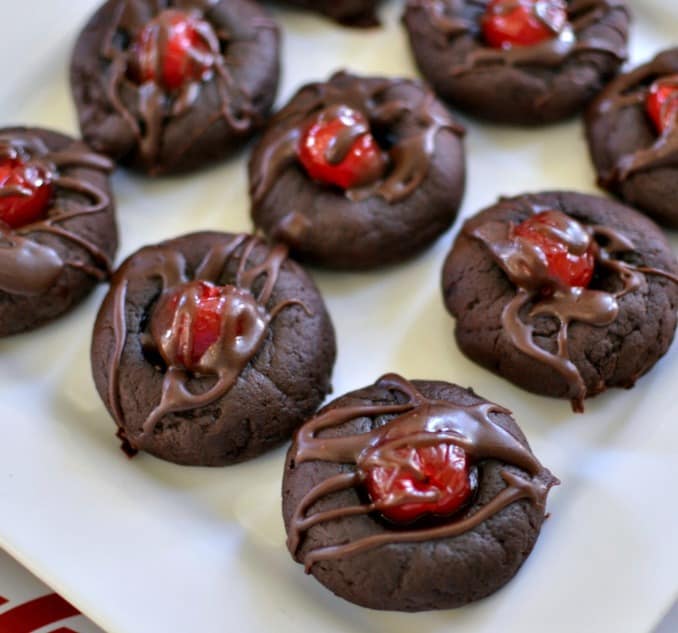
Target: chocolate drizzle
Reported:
[(226, 358), (449, 19), (31, 268), (339, 147), (154, 105), (409, 155), (418, 422), (631, 91), (525, 265)]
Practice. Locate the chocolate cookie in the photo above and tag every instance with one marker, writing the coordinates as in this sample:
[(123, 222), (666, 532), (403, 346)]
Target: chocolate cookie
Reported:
[(526, 62), (412, 496), (563, 294), (57, 226), (170, 85), (632, 131), (358, 172), (361, 13), (211, 348)]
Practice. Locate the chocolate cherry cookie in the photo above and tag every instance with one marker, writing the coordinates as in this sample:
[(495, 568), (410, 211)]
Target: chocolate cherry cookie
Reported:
[(412, 496), (57, 226), (526, 62), (211, 348), (632, 130), (563, 294), (358, 172), (169, 85), (361, 13)]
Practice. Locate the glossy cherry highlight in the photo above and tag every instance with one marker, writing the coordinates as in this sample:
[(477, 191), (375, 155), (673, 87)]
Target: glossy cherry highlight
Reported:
[(437, 482), (174, 49), (662, 103), (339, 150), (192, 317), (567, 265), (508, 23), (25, 192)]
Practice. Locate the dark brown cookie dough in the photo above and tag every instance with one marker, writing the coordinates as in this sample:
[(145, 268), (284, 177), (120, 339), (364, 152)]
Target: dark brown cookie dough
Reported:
[(360, 13), (386, 221), (269, 369), (612, 332), (633, 160), (145, 125), (51, 263), (528, 85), (429, 564)]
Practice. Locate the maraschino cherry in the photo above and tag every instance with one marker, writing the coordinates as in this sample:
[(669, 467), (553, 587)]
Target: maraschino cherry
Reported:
[(362, 163), (662, 103), (441, 471), (193, 316), (566, 265), (173, 49), (25, 192), (508, 23)]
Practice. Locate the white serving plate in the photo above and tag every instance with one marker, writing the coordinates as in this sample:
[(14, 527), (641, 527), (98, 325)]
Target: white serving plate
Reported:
[(144, 546)]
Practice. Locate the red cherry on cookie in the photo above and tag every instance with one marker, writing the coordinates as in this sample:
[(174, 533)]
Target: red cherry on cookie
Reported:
[(662, 103), (25, 192), (548, 231), (173, 49), (360, 162), (508, 23), (191, 317), (441, 471)]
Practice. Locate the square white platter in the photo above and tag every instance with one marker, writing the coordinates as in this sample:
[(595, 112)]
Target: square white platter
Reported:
[(144, 546)]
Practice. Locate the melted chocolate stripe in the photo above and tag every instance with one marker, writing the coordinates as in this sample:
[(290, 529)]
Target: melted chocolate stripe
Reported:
[(420, 422), (212, 265), (88, 160), (26, 267), (344, 450), (100, 200), (119, 337), (9, 191), (92, 271), (522, 337), (338, 513), (659, 273), (339, 147), (21, 145), (170, 270), (95, 252), (270, 269), (300, 521), (177, 397)]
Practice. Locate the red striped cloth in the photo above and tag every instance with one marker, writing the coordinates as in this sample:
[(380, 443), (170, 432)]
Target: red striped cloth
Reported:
[(34, 614), (27, 605)]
